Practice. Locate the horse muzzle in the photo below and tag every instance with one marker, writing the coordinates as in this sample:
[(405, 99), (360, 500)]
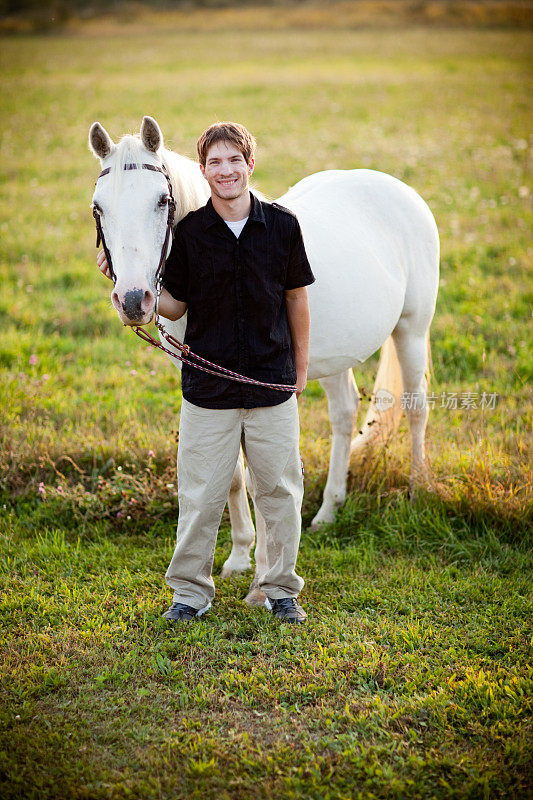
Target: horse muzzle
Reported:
[(136, 307)]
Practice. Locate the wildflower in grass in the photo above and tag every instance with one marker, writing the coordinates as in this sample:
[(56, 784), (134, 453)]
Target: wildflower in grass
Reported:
[(22, 375), (151, 454), (33, 359), (60, 490), (119, 513), (42, 491), (152, 372), (133, 372), (128, 363), (45, 377)]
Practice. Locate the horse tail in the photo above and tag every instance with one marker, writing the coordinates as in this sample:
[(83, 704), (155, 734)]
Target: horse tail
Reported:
[(385, 409), (429, 362)]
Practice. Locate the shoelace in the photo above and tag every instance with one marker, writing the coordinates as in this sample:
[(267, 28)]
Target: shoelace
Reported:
[(286, 603), (181, 607)]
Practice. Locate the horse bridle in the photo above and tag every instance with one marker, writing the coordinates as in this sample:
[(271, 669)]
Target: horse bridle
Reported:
[(184, 349), (170, 223)]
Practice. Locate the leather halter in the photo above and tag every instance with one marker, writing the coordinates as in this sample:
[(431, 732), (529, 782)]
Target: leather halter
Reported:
[(170, 220)]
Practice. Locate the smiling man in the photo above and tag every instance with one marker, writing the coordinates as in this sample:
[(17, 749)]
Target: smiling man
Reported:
[(238, 267)]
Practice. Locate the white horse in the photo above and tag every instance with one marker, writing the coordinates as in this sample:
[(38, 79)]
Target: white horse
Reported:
[(374, 249)]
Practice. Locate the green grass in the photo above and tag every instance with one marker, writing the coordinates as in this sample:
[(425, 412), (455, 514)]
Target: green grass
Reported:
[(411, 681), (413, 677)]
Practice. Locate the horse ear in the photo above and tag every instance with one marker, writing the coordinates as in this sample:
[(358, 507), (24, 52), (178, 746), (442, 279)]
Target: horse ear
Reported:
[(151, 135), (100, 142)]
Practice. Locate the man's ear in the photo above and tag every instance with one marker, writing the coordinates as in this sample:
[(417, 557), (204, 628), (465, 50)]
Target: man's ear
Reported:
[(151, 135), (100, 142)]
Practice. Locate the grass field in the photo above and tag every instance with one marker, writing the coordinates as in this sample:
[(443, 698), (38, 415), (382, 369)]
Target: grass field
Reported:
[(413, 677)]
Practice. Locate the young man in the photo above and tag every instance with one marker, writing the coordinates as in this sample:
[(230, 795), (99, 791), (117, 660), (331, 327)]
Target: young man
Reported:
[(239, 267)]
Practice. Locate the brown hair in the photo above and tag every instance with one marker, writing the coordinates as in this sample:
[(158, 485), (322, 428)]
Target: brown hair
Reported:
[(226, 132)]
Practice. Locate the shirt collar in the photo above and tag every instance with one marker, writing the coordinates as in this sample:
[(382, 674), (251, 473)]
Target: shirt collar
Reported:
[(211, 217)]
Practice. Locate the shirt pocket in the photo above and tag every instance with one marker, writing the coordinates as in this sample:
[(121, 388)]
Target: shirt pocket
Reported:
[(211, 271)]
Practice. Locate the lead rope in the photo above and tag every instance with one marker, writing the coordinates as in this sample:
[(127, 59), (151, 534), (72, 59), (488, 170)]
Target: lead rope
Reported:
[(187, 354)]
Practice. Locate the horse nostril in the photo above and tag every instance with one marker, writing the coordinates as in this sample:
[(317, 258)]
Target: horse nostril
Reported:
[(114, 298), (148, 301)]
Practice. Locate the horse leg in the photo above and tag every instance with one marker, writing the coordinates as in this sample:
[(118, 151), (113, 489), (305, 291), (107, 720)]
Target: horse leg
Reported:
[(343, 404), (412, 348), (242, 529)]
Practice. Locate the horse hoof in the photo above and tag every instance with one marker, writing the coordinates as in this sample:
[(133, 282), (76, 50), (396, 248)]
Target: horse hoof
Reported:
[(255, 597), (321, 519), (419, 490), (228, 571)]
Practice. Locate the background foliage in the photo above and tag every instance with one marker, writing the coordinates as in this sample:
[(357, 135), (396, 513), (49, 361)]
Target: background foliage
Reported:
[(19, 16)]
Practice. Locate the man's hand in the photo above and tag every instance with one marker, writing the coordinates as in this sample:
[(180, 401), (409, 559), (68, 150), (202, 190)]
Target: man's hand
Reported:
[(301, 381), (103, 265)]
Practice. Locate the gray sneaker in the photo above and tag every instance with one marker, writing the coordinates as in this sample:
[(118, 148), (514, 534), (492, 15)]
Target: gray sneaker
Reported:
[(286, 609), (180, 611)]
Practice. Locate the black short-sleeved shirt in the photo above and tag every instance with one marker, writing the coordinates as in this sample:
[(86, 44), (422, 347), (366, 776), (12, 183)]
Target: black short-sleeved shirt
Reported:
[(235, 294)]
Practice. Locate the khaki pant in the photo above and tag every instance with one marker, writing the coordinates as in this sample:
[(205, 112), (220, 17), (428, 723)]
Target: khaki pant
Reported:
[(208, 450)]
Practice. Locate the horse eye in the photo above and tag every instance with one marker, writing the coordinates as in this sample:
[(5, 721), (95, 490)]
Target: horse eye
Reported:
[(163, 200)]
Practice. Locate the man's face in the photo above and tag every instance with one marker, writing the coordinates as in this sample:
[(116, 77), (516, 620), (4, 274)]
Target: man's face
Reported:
[(226, 171)]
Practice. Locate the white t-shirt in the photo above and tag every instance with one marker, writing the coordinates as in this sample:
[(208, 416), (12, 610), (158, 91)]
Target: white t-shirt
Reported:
[(237, 226)]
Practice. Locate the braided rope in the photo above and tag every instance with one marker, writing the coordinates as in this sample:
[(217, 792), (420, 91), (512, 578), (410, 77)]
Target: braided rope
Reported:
[(218, 371)]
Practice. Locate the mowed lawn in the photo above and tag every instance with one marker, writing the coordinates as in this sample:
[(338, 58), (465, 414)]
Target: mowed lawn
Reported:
[(413, 677)]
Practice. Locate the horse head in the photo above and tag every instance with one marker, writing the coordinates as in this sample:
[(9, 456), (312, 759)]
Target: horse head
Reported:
[(131, 207)]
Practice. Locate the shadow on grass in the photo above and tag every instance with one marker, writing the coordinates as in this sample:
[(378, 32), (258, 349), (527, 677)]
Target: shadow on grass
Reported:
[(450, 532)]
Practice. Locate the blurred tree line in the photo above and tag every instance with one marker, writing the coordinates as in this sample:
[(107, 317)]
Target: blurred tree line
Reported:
[(85, 8), (43, 15), (46, 15)]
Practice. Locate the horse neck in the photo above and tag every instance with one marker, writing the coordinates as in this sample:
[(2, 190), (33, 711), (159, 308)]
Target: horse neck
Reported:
[(188, 185)]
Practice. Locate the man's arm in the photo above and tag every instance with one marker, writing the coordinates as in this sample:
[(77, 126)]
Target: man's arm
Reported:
[(167, 307), (299, 319)]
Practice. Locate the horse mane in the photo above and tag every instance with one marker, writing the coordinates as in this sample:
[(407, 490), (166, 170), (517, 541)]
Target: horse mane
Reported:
[(127, 151)]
